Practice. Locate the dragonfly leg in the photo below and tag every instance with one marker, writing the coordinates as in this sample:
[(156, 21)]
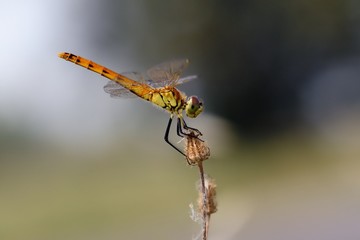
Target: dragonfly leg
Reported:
[(166, 137), (186, 127), (179, 130), (181, 124)]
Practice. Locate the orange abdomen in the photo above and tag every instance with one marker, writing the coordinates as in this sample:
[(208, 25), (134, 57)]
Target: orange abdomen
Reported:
[(140, 89)]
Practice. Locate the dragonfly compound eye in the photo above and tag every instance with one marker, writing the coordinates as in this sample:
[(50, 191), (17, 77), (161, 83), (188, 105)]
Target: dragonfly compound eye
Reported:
[(193, 107)]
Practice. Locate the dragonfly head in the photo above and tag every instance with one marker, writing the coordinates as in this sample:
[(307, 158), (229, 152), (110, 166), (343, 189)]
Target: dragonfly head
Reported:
[(194, 107)]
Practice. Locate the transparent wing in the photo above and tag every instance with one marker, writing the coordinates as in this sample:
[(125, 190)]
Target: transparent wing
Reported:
[(134, 76), (186, 79), (178, 82), (117, 91), (168, 73)]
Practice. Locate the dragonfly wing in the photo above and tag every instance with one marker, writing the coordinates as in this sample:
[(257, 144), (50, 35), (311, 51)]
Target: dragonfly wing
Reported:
[(117, 91), (168, 73), (134, 76), (178, 82), (186, 79)]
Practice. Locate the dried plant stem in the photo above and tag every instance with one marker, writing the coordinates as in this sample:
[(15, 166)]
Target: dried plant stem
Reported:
[(205, 216), (196, 152)]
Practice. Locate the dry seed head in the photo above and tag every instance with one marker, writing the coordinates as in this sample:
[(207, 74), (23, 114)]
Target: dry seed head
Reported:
[(196, 150), (210, 198)]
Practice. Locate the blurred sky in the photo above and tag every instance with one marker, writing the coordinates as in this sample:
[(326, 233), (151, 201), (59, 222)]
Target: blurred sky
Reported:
[(280, 82)]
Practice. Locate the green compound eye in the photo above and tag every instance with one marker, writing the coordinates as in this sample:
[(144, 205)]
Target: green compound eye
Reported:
[(193, 107)]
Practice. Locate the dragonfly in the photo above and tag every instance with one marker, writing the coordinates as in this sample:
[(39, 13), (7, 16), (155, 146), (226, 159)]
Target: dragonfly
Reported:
[(158, 86)]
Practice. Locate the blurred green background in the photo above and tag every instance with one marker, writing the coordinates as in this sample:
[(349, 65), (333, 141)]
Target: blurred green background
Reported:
[(280, 82)]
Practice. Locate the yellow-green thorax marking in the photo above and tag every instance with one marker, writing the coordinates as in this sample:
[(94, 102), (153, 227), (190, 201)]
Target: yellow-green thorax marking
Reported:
[(168, 98)]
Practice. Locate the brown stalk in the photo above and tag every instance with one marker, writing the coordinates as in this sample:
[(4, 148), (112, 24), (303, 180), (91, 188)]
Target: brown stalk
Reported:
[(196, 152)]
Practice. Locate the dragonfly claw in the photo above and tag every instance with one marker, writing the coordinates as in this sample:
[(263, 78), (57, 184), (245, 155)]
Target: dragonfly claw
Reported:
[(195, 133)]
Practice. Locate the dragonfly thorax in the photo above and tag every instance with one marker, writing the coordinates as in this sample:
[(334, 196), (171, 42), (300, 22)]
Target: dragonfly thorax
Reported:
[(168, 98)]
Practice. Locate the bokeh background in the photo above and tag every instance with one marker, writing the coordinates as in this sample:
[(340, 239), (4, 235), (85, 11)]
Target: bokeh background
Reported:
[(280, 82)]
